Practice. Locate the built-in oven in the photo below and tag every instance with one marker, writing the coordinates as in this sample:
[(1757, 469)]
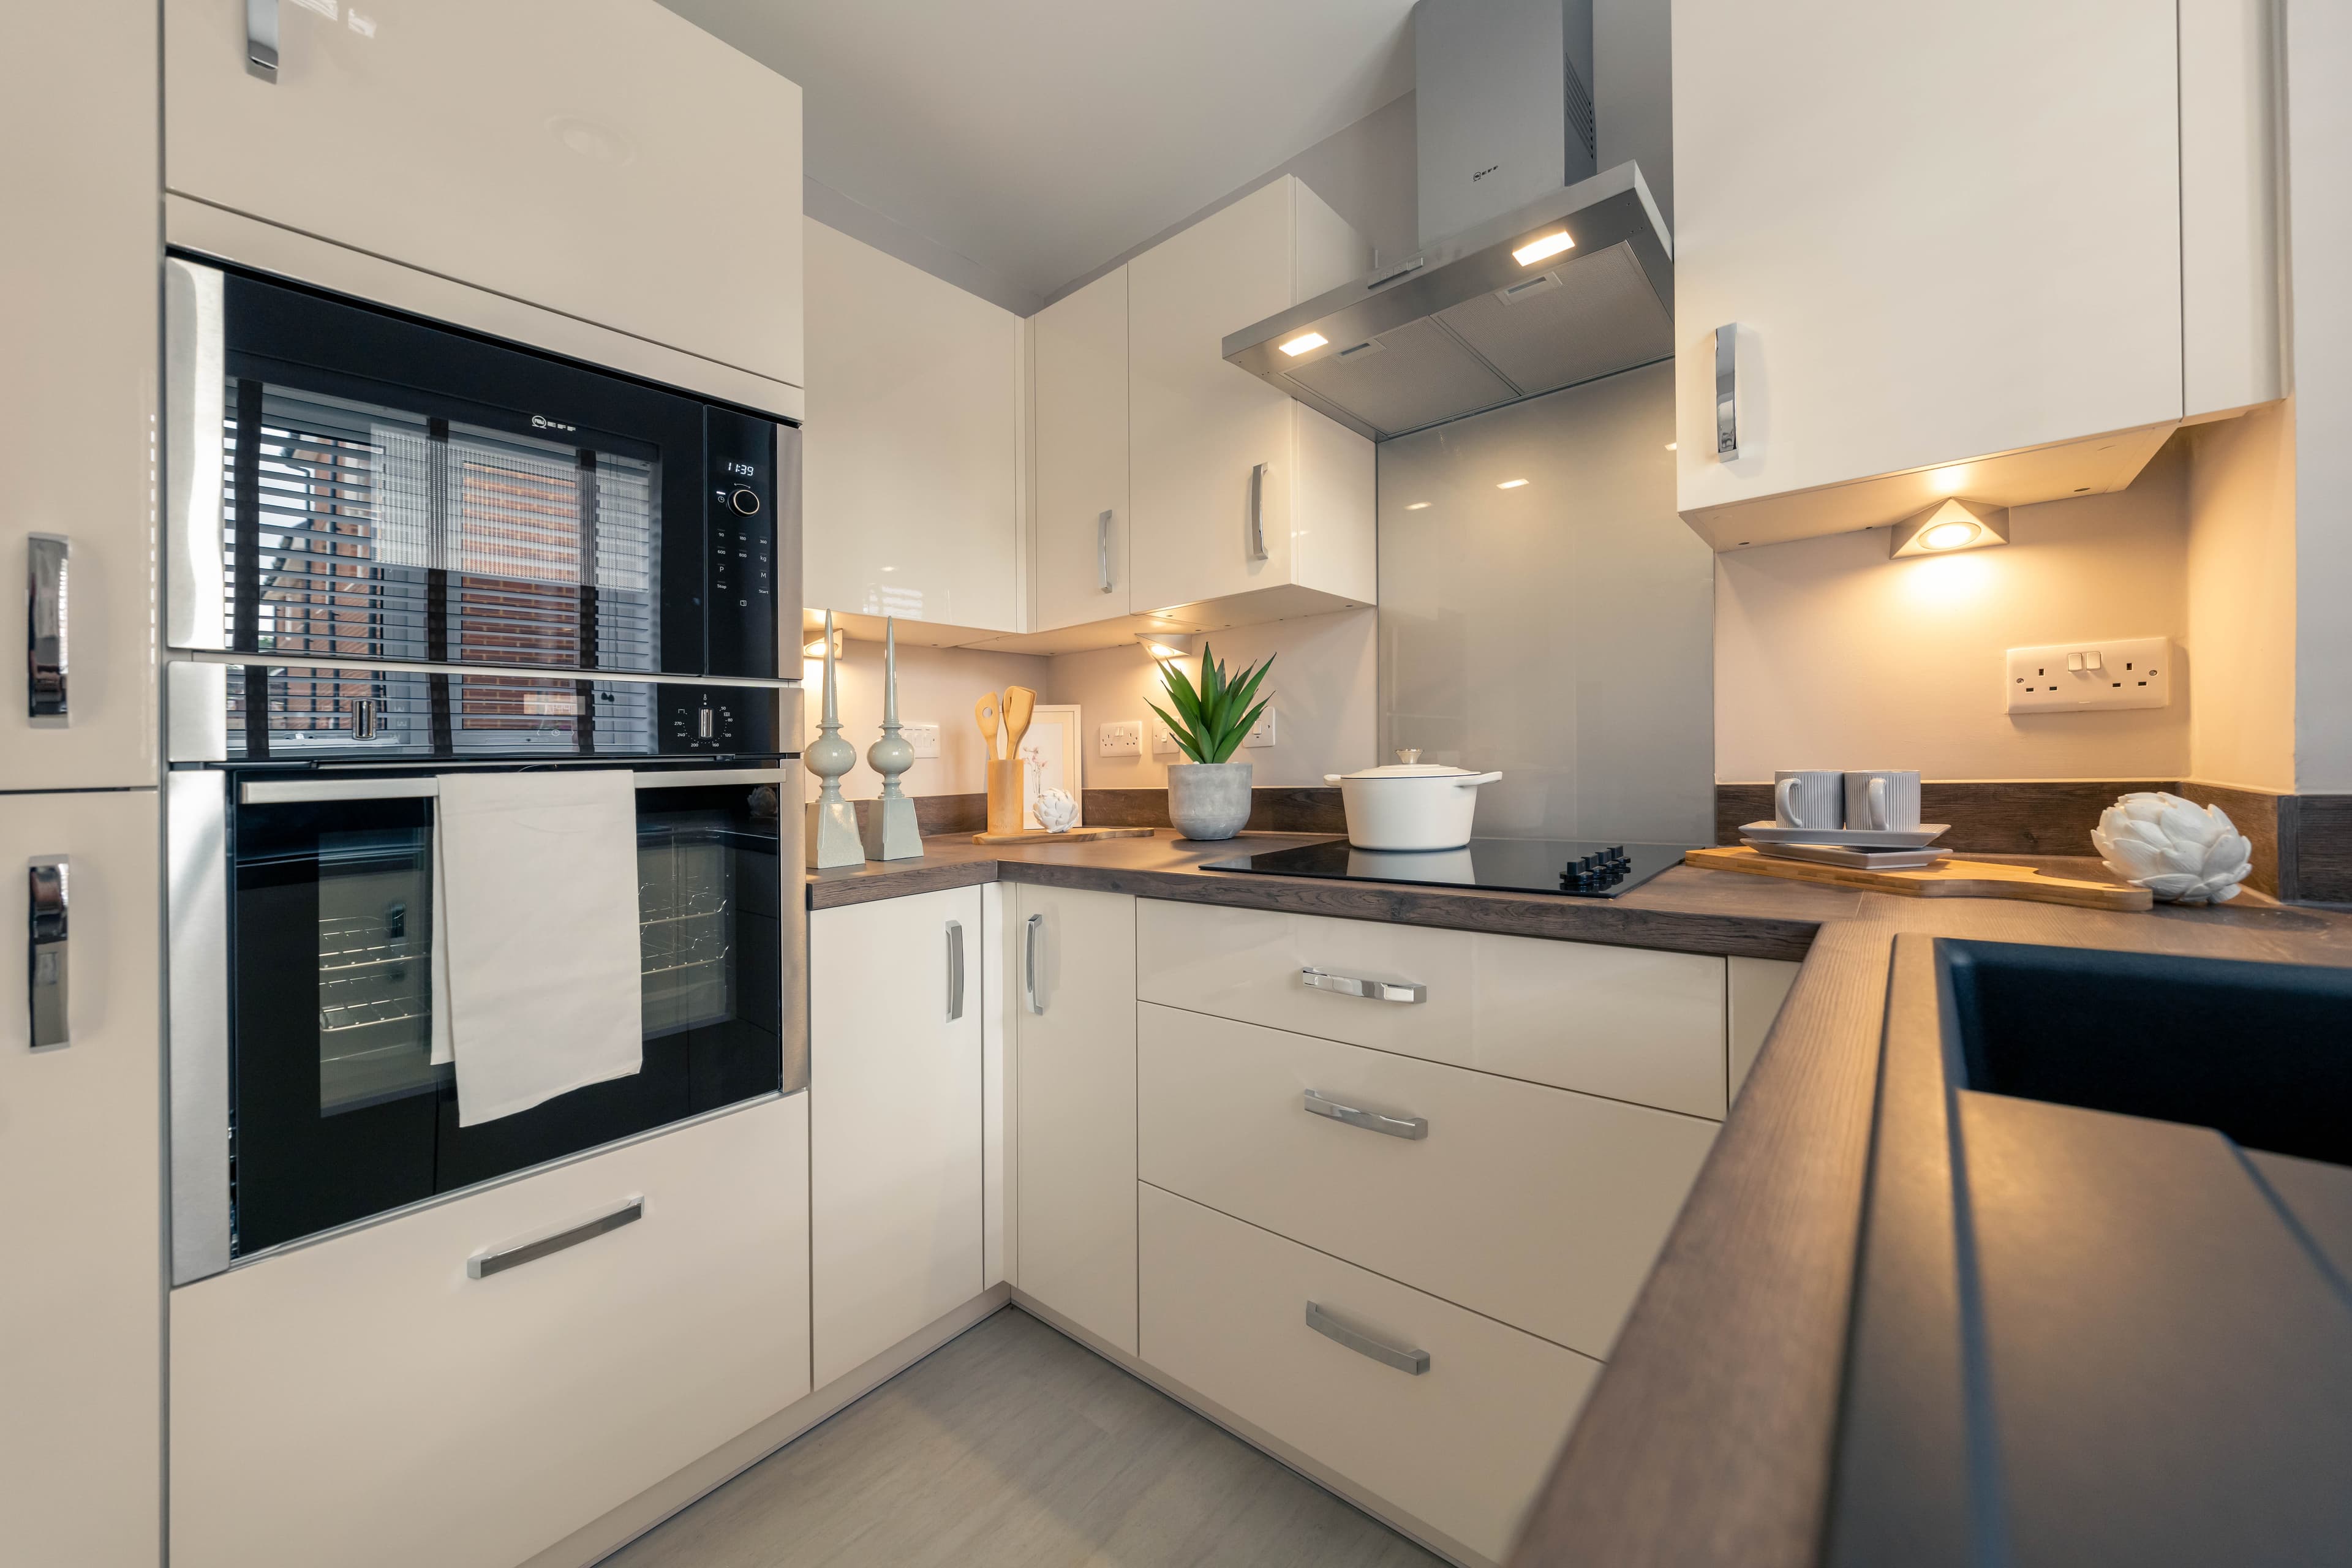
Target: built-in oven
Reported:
[(301, 815), (346, 483)]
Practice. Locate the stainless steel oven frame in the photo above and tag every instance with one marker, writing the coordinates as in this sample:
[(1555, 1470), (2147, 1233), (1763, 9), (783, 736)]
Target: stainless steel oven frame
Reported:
[(198, 802)]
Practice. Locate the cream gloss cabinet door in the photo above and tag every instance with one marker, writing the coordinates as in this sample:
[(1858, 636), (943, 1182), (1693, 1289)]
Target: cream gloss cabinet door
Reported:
[(80, 1309), (605, 159), (78, 334), (364, 1401), (1079, 408), (1073, 959), (1209, 440), (910, 483), (895, 1173), (1943, 232)]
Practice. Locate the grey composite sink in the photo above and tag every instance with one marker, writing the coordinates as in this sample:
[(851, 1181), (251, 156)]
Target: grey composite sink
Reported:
[(2101, 1307)]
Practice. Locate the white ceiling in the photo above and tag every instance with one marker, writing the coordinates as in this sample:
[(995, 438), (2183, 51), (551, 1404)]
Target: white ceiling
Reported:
[(1042, 138)]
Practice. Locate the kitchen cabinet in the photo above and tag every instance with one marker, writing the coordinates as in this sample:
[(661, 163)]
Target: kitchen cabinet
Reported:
[(78, 330), (1235, 488), (1079, 412), (364, 1400), (1962, 251), (910, 489), (896, 999), (604, 159), (1073, 955), (80, 1359), (1757, 987)]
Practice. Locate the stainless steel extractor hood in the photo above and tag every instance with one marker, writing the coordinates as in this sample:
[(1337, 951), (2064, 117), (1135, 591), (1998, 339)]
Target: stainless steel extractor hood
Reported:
[(1525, 295)]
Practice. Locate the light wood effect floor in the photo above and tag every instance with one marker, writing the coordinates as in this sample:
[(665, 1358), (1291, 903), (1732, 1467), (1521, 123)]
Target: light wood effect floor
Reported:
[(1013, 1447)]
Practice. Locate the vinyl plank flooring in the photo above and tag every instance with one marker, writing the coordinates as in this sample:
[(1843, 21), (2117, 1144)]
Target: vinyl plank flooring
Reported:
[(1014, 1447)]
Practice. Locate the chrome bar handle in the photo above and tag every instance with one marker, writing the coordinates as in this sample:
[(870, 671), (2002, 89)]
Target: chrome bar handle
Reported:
[(1372, 990), (482, 1264), (1331, 1327), (261, 38), (1726, 392), (46, 952), (363, 719), (1102, 549), (1036, 929), (45, 629), (1257, 513), (955, 970), (1409, 1127)]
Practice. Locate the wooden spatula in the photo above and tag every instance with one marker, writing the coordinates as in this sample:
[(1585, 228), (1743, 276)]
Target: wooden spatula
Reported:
[(985, 711), (1020, 707)]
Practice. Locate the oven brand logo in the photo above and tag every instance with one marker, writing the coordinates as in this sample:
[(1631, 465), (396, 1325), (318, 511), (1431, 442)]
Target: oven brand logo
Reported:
[(541, 422)]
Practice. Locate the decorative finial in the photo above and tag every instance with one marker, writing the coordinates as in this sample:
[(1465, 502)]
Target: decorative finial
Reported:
[(832, 837), (891, 832)]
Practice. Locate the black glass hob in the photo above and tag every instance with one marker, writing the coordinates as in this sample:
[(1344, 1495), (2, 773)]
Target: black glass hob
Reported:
[(1582, 867)]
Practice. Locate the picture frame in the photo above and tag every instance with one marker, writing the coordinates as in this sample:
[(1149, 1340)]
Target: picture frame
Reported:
[(1052, 750)]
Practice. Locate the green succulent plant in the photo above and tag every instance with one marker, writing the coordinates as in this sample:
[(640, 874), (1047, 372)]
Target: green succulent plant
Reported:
[(1216, 718)]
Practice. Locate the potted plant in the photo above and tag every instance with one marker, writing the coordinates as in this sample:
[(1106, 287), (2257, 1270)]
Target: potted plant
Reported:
[(1209, 795)]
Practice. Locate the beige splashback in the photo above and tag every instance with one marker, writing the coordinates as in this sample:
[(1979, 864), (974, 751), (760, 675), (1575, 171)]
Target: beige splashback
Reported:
[(1557, 631), (936, 684)]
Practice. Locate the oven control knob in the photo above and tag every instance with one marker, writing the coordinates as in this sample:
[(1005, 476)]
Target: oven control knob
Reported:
[(743, 501)]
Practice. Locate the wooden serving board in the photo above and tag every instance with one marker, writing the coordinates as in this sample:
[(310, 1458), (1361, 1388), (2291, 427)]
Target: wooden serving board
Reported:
[(1075, 836), (1952, 880)]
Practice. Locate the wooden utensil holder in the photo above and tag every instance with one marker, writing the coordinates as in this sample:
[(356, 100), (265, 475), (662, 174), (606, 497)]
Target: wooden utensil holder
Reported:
[(1005, 802)]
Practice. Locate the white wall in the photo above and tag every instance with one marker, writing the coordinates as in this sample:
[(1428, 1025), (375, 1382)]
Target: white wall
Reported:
[(1829, 654), (1324, 684), (936, 684), (2241, 572)]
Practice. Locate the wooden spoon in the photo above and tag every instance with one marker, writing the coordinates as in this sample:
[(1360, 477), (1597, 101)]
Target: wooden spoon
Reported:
[(1020, 707), (985, 711)]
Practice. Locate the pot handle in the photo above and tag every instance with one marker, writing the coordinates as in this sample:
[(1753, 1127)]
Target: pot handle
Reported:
[(1475, 780)]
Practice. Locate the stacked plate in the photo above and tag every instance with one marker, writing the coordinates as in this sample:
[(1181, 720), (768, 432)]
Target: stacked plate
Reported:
[(1875, 849)]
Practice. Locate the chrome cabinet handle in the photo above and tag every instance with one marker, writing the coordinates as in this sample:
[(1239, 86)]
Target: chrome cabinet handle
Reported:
[(1331, 1327), (482, 1264), (1374, 990), (1257, 513), (955, 970), (261, 38), (1726, 392), (1102, 549), (46, 951), (45, 629), (1369, 1120), (1029, 963)]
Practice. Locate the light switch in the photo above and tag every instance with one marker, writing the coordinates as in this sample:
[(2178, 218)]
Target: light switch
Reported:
[(1163, 744), (1262, 732), (924, 737), (1120, 738)]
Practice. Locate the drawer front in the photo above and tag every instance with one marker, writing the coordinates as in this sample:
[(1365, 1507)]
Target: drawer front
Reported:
[(363, 1402), (1463, 1445), (1535, 1206), (1624, 1022)]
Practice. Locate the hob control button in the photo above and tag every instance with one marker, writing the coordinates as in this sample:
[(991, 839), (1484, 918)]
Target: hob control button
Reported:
[(744, 501)]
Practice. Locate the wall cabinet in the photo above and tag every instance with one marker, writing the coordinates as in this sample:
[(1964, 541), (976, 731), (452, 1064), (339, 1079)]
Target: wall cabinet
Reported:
[(1073, 955), (78, 329), (1236, 489), (604, 159), (81, 1321), (895, 1034), (910, 489), (1084, 570), (363, 1401), (2010, 287)]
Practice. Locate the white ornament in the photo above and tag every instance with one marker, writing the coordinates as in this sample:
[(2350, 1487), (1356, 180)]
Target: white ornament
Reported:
[(2182, 852), (1056, 810)]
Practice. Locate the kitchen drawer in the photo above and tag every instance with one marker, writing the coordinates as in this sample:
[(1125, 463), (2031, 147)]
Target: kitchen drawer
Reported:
[(1628, 1023), (1462, 1446), (1538, 1206), (362, 1402)]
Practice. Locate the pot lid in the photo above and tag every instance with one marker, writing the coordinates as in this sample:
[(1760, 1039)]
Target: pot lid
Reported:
[(1408, 765)]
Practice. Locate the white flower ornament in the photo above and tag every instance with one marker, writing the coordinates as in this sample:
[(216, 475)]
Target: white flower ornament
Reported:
[(2182, 852), (1056, 810)]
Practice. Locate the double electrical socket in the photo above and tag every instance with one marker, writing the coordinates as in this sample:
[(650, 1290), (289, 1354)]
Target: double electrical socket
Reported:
[(923, 737), (2074, 678), (1163, 744), (1121, 738)]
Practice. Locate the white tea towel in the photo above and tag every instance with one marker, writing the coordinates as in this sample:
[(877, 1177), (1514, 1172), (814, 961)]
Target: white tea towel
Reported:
[(536, 959)]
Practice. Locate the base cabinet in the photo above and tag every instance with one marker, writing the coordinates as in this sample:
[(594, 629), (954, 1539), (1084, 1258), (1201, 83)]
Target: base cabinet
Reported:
[(363, 1402), (896, 1183), (1073, 956), (1461, 1444)]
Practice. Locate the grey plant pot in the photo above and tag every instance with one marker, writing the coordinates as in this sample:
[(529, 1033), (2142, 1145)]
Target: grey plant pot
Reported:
[(1209, 801)]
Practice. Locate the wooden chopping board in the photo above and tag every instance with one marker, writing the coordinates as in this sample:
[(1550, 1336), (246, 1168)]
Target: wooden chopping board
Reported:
[(1952, 880), (1075, 836)]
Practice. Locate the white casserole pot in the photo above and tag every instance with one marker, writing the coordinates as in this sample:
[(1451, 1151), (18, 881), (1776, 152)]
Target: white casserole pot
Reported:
[(1409, 804)]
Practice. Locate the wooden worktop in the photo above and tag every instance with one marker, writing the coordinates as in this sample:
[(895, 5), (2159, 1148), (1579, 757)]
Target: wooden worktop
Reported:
[(1708, 1438)]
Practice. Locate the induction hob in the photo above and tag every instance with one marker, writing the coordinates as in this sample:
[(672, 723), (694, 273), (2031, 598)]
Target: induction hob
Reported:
[(1580, 868)]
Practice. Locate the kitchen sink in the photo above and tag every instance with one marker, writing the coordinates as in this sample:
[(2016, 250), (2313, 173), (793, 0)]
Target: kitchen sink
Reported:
[(2260, 1052)]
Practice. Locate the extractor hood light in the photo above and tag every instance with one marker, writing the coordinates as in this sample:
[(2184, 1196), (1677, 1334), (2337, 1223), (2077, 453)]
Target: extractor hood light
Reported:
[(1543, 246), (1416, 506), (1511, 484), (1303, 341)]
